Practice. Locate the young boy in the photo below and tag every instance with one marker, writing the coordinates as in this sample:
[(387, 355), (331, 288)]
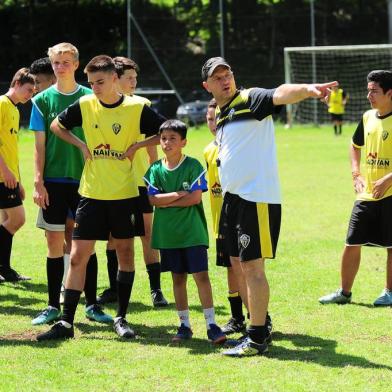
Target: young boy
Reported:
[(127, 71), (44, 76), (175, 185), (11, 190), (58, 169), (113, 123)]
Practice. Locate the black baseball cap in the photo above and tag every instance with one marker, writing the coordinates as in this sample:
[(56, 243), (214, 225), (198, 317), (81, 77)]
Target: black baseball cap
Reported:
[(211, 64)]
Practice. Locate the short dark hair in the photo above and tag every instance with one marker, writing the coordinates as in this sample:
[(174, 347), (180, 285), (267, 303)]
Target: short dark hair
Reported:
[(175, 126), (22, 76), (212, 104), (41, 66), (124, 63), (101, 63), (382, 77)]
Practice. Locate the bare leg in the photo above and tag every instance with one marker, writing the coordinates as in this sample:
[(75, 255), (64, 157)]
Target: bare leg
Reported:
[(179, 291), (240, 277), (351, 259)]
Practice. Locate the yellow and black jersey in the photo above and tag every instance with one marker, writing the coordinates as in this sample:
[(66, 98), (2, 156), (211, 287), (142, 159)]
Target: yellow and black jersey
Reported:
[(335, 102)]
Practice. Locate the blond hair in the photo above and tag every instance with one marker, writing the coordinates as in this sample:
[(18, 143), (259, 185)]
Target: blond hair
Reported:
[(63, 47)]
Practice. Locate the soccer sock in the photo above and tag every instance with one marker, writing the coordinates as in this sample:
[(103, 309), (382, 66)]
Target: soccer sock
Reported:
[(340, 129), (112, 268), (335, 129), (124, 288), (209, 315), (71, 299), (184, 317), (54, 272), (236, 306), (257, 333), (66, 267), (90, 284), (5, 247), (154, 275)]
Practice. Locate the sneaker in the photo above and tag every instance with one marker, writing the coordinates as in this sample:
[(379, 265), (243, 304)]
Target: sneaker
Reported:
[(46, 316), (233, 326), (215, 334), (95, 313), (123, 329), (183, 333), (158, 300), (235, 342), (247, 348), (10, 275), (2, 279), (58, 331), (108, 296), (335, 298), (385, 298)]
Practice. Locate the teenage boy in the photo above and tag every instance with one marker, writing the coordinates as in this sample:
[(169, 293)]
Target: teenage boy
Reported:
[(175, 185), (112, 126), (43, 74), (370, 223), (127, 71), (336, 107), (12, 193), (58, 168)]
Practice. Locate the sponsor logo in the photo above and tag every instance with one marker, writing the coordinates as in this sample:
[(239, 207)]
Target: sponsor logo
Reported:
[(133, 220), (116, 128), (186, 186), (103, 151), (216, 190), (385, 135), (12, 196), (373, 159), (245, 240), (231, 114)]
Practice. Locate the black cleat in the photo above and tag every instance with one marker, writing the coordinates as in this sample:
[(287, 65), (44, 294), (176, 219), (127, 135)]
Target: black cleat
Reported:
[(10, 275), (123, 329), (233, 326), (158, 300), (58, 331), (108, 296)]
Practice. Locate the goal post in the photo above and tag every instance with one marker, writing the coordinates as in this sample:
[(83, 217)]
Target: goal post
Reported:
[(349, 65)]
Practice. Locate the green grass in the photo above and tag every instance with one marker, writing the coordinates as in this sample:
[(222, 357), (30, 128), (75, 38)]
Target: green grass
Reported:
[(315, 347)]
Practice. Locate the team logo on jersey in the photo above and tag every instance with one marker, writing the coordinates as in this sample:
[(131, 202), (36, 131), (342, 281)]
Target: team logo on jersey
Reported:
[(231, 114), (52, 115), (385, 134), (103, 151), (216, 190), (186, 186), (372, 159), (116, 128), (245, 240), (13, 131)]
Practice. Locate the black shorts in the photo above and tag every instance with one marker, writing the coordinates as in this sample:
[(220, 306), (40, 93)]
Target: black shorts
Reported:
[(143, 204), (336, 117), (9, 198), (95, 219), (184, 260), (222, 257), (371, 223), (250, 230), (63, 201)]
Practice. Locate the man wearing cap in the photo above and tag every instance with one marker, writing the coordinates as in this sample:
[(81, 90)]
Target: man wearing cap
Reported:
[(251, 211)]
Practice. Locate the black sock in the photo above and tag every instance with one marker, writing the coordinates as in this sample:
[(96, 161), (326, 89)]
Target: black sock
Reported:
[(112, 268), (5, 247), (124, 289), (257, 333), (335, 129), (236, 307), (154, 275), (340, 129), (54, 273), (90, 284), (71, 299)]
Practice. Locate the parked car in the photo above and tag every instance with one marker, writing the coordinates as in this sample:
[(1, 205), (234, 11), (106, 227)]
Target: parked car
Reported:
[(193, 113)]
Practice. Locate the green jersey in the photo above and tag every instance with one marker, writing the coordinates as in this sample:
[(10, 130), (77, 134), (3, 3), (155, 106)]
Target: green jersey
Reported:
[(63, 161), (177, 227)]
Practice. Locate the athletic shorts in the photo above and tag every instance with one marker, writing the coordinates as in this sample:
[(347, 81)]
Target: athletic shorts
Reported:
[(336, 117), (250, 230), (95, 219), (184, 260), (142, 201), (63, 200), (9, 198), (222, 257), (371, 223)]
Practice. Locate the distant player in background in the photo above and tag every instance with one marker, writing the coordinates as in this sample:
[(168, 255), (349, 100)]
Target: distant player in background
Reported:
[(127, 71), (12, 194), (336, 106)]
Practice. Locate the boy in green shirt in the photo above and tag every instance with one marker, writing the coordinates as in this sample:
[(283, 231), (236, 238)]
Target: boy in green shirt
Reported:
[(175, 185)]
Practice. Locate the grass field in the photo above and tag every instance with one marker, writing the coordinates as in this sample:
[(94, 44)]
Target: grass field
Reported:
[(315, 348)]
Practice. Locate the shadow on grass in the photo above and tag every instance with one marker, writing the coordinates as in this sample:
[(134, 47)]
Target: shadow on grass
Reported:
[(370, 306), (317, 350), (20, 305)]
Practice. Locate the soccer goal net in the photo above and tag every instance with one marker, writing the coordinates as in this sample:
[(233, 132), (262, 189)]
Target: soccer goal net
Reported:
[(349, 65)]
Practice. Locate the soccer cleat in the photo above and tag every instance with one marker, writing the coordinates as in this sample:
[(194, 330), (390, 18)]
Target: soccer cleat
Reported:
[(2, 279), (233, 326), (108, 296), (385, 298), (123, 329), (215, 334), (10, 275), (158, 300), (247, 348), (95, 313), (47, 316), (58, 331), (335, 298), (183, 333)]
